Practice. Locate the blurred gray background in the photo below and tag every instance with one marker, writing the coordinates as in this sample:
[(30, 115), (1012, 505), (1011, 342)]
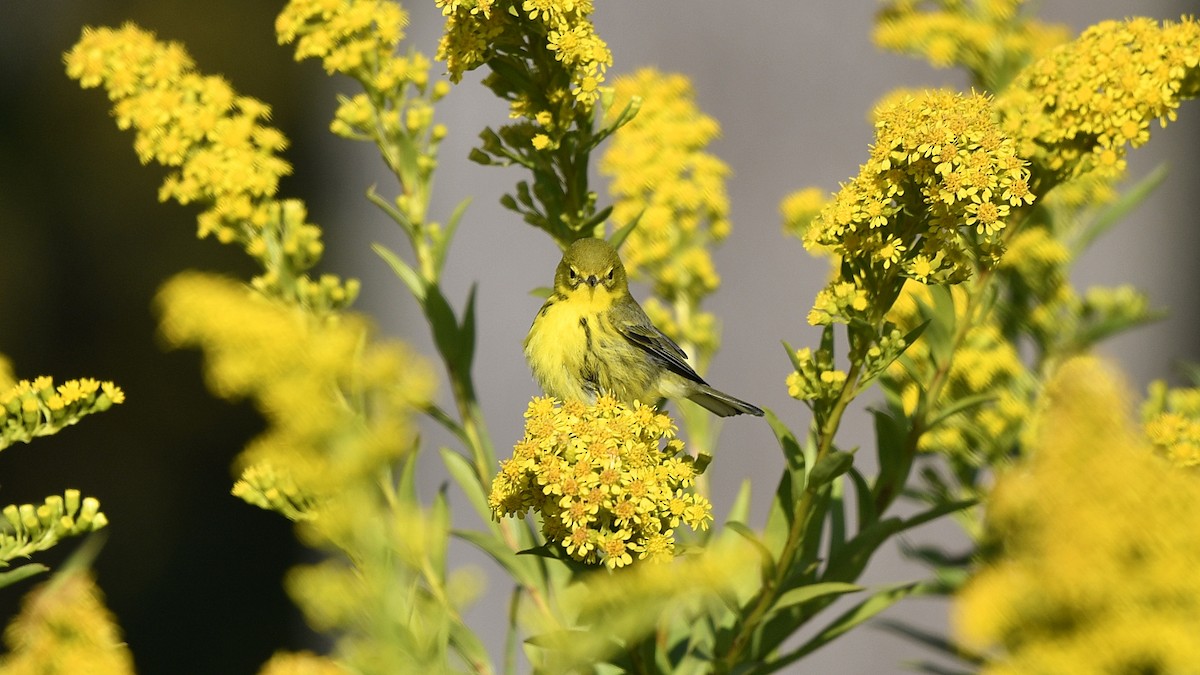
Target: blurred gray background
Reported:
[(192, 573)]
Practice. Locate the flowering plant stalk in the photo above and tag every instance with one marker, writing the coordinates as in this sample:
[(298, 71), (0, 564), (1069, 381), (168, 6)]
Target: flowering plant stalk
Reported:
[(949, 248)]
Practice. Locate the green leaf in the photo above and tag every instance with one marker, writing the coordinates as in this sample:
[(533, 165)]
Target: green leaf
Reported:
[(792, 452), (523, 194), (934, 641), (470, 647), (597, 218), (451, 343), (740, 511), (829, 467), (403, 270), (1191, 371), (861, 612), (961, 405), (480, 157), (21, 573), (439, 515), (779, 518), (628, 113), (620, 235), (895, 461), (448, 423), (466, 331), (552, 551), (863, 502), (828, 343), (491, 142), (521, 569), (939, 333), (791, 353), (439, 254), (463, 473), (391, 211), (768, 560), (853, 558), (837, 516), (1117, 211), (805, 594), (406, 486)]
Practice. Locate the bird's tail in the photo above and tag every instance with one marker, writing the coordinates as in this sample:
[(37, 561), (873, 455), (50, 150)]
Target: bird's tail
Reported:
[(721, 404)]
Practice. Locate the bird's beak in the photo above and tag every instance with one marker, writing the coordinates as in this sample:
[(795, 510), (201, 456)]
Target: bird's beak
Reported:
[(593, 280)]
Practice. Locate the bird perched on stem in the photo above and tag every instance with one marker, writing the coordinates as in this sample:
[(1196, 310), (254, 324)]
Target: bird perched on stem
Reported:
[(592, 337)]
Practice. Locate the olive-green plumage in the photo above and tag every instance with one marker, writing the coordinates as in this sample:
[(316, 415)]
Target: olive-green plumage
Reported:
[(592, 337)]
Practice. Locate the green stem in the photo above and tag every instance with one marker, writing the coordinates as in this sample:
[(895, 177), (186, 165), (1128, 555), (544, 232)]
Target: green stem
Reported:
[(800, 516)]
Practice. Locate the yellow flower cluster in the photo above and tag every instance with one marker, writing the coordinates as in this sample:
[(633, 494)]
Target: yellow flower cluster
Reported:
[(359, 38), (984, 363), (352, 37), (300, 372), (27, 529), (929, 204), (990, 38), (1079, 108), (219, 150), (605, 485), (1171, 420), (663, 179), (814, 378), (800, 209), (38, 408), (562, 27), (1095, 547), (64, 627)]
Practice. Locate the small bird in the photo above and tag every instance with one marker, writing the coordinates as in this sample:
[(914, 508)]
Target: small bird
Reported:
[(592, 337)]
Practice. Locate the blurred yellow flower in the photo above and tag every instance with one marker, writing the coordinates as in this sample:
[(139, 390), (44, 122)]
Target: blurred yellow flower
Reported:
[(1095, 543), (1080, 107)]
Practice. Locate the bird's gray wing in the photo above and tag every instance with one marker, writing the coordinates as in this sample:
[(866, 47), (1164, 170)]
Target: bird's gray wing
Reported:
[(632, 323)]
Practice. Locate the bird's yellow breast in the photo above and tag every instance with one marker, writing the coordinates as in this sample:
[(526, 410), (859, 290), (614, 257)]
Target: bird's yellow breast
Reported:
[(562, 335)]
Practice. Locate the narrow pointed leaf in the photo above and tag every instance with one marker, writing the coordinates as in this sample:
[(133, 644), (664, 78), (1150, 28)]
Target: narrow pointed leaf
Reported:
[(21, 573), (740, 511), (439, 260), (463, 473), (403, 270), (864, 611), (1117, 211), (768, 560), (810, 592)]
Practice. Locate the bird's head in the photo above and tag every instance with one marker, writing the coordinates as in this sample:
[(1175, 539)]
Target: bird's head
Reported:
[(591, 264)]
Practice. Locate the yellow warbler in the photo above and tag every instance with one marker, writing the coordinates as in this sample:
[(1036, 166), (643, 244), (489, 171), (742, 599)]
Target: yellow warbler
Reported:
[(592, 337)]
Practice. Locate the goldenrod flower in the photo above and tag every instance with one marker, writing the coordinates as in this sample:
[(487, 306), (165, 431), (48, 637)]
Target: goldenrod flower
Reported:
[(64, 627), (299, 370), (37, 408), (664, 178), (562, 27), (220, 152), (930, 204), (1095, 546), (602, 479), (992, 39), (1079, 108), (1171, 420)]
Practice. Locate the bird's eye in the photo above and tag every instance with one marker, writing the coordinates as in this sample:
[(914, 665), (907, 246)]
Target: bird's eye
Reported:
[(610, 273), (572, 273)]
